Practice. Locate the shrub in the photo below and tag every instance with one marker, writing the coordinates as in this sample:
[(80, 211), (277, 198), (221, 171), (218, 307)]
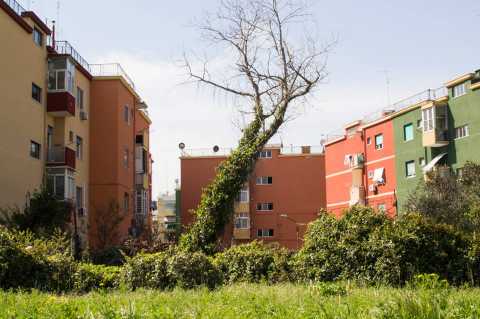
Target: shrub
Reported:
[(147, 271), (326, 289), (190, 270), (89, 277), (368, 246), (428, 281), (254, 262), (111, 256)]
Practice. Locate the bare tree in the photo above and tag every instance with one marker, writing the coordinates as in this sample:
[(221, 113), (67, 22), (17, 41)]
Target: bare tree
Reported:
[(273, 72)]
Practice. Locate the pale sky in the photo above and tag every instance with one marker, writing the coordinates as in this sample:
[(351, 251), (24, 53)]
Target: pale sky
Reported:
[(422, 44)]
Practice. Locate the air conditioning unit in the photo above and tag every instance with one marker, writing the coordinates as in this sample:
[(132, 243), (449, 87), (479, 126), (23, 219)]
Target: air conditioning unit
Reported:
[(372, 188), (83, 115)]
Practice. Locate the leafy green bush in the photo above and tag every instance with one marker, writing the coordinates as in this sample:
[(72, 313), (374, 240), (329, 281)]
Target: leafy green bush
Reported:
[(111, 256), (428, 281), (147, 271), (90, 277), (254, 262), (190, 270), (367, 246)]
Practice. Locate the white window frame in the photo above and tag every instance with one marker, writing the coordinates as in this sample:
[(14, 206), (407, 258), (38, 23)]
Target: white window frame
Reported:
[(380, 145), (80, 98), (69, 184), (462, 132), (68, 81), (264, 207), (407, 175), (265, 154), (428, 119), (459, 90), (242, 221), (244, 196), (265, 232), (37, 37), (264, 180)]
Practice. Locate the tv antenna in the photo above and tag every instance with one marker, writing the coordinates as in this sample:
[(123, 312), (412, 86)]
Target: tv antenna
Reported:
[(387, 85)]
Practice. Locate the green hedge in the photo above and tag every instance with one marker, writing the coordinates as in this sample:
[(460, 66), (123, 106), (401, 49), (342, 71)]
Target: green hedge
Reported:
[(370, 247), (89, 277)]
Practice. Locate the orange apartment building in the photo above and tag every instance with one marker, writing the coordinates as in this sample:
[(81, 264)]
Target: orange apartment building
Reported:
[(54, 118), (360, 167), (285, 192)]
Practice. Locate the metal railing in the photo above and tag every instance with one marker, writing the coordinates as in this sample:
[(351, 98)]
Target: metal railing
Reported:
[(15, 6), (56, 154), (198, 152), (64, 47), (427, 95), (111, 69), (296, 150)]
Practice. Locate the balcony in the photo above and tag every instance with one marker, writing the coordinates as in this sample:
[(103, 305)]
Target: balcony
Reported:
[(435, 125), (65, 48), (141, 180), (241, 229), (61, 156), (60, 104), (357, 195)]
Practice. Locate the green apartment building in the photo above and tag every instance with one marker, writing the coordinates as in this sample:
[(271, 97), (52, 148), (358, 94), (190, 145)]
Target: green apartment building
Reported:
[(436, 129)]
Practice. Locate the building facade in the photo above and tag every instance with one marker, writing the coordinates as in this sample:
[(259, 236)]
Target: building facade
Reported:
[(52, 104), (285, 192), (360, 167)]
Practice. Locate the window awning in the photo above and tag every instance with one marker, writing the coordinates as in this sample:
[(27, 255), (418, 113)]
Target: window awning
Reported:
[(378, 175), (427, 168)]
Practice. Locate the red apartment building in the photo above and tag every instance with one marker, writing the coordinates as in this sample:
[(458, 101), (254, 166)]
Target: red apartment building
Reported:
[(360, 167), (284, 193)]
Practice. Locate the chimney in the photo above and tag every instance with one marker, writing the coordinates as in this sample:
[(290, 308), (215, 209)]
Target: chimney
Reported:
[(305, 149)]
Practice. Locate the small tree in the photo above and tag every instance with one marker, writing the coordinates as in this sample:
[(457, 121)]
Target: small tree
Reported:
[(106, 223), (43, 214), (271, 73)]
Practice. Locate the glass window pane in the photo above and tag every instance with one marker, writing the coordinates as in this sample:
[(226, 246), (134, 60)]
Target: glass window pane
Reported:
[(60, 186), (61, 80)]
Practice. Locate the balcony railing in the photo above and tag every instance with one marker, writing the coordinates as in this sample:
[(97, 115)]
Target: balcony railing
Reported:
[(61, 156), (111, 69), (64, 47), (15, 6)]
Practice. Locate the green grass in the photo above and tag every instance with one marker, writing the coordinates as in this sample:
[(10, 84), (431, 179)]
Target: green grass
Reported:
[(249, 301)]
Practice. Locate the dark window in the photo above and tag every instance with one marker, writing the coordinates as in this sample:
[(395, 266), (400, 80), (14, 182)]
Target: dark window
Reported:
[(37, 37), (408, 132), (410, 169), (264, 206), (36, 93), (139, 139), (379, 141), (126, 114), (265, 154), (126, 202), (264, 232), (34, 149), (79, 148), (80, 98), (264, 180)]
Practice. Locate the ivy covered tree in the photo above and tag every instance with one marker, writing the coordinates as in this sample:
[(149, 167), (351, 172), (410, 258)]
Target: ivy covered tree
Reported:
[(275, 66)]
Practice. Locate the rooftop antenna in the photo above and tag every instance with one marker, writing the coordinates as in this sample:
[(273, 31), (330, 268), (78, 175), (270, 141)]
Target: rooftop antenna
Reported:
[(387, 84), (58, 16)]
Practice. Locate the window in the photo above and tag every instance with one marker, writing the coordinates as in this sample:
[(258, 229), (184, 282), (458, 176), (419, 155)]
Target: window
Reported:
[(61, 75), (265, 206), (461, 131), (419, 124), (79, 200), (427, 118), (379, 176), (37, 37), (70, 136), (422, 161), (370, 174), (125, 158), (80, 98), (382, 208), (79, 148), (408, 132), (34, 150), (126, 202), (36, 93), (265, 154), (379, 141), (264, 180), (369, 140), (242, 221), (243, 196), (61, 183), (410, 169), (126, 114), (458, 90), (264, 232)]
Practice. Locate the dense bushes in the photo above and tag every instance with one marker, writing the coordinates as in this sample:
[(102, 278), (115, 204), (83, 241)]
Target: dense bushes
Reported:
[(363, 246), (170, 269), (370, 247), (255, 262)]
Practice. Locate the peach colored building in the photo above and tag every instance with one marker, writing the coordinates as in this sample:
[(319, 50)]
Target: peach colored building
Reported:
[(284, 193), (61, 117)]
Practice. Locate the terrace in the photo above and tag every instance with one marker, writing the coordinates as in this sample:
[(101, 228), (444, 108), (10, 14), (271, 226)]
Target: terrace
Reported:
[(111, 69), (15, 6), (65, 48)]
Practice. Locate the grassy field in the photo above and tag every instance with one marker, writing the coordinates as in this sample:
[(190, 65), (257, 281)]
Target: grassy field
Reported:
[(249, 301)]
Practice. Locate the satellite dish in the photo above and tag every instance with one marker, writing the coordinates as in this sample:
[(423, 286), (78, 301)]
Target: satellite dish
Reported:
[(216, 148), (181, 146)]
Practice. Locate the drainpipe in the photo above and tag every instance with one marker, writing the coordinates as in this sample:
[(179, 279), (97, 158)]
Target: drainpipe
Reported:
[(365, 172)]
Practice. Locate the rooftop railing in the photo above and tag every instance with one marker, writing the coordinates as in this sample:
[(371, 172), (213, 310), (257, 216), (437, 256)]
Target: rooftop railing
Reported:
[(297, 150), (285, 150), (111, 69), (64, 47), (15, 6)]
